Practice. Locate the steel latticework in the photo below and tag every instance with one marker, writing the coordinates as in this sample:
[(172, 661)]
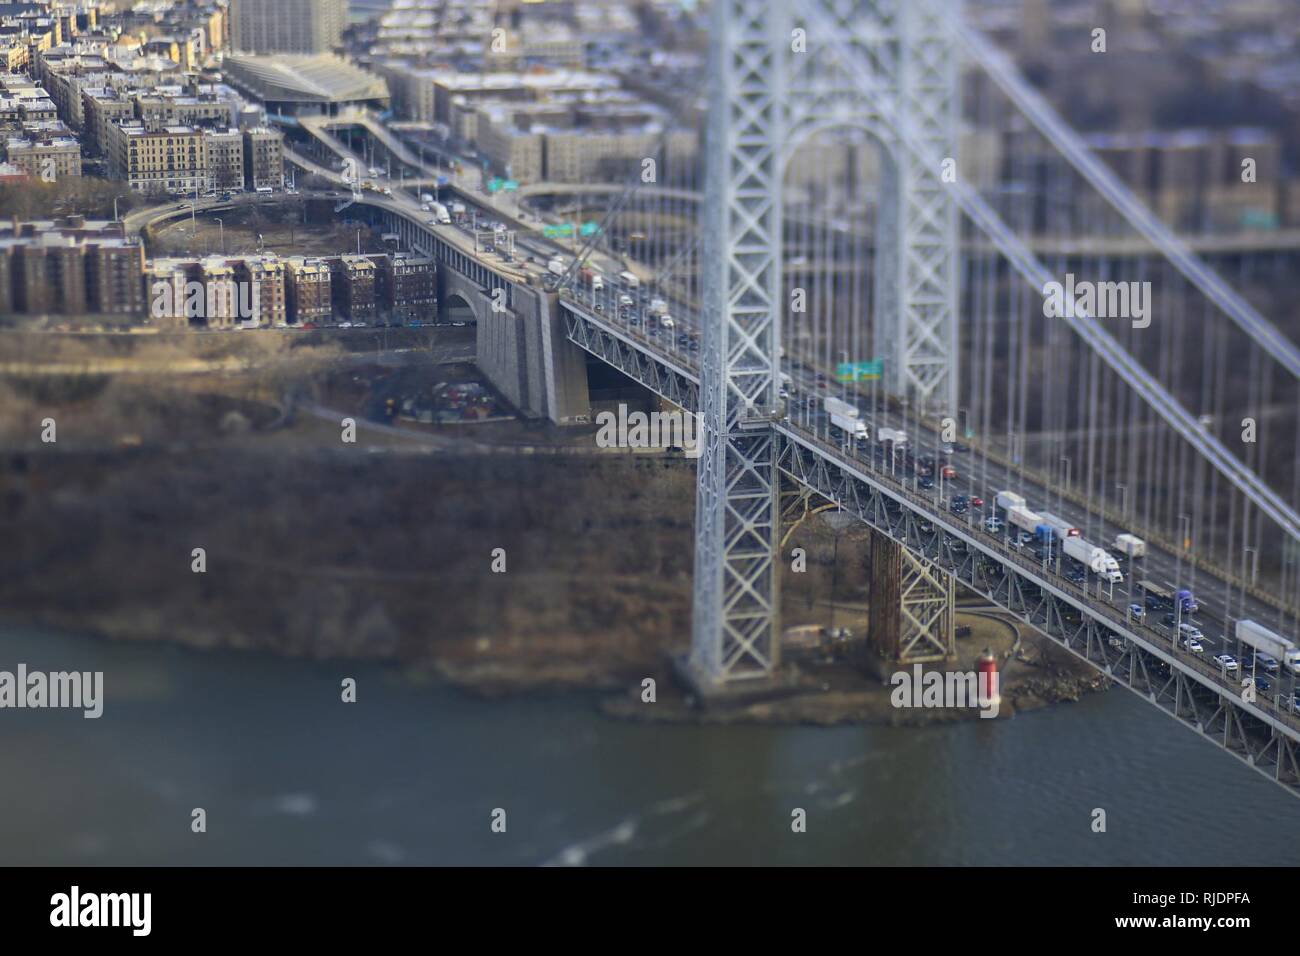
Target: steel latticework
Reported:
[(778, 78), (737, 504)]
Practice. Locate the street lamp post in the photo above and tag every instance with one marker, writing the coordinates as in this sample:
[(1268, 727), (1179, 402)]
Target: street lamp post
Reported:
[(1183, 521), (221, 227), (1060, 498)]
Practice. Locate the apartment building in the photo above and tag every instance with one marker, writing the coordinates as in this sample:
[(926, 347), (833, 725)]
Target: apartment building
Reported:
[(264, 276), (263, 158), (224, 152), (173, 159), (45, 155), (308, 292), (70, 267), (355, 288), (287, 26), (410, 289)]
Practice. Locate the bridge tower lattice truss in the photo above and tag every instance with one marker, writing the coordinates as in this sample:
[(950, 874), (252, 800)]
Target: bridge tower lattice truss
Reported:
[(772, 89)]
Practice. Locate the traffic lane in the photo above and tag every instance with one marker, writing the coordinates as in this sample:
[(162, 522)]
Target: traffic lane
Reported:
[(1201, 663), (1160, 567)]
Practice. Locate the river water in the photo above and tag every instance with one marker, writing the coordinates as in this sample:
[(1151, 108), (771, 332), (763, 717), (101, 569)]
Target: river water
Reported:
[(412, 772)]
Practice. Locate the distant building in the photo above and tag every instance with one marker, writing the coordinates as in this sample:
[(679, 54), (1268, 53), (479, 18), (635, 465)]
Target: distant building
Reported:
[(305, 85), (287, 26), (70, 267), (49, 157), (224, 158), (308, 290), (410, 288), (355, 288), (263, 158), (265, 277), (172, 159)]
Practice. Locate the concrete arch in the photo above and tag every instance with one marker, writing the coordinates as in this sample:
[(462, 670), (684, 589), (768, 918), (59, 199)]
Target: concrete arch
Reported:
[(457, 307)]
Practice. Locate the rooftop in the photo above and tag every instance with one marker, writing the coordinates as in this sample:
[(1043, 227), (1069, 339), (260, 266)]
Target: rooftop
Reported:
[(320, 77)]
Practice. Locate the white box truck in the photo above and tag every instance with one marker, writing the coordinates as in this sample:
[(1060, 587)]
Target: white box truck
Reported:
[(1009, 499), (898, 438), (854, 427), (835, 406), (1131, 545), (1061, 529), (1268, 644), (556, 265), (440, 212), (1094, 558), (1024, 519), (629, 280)]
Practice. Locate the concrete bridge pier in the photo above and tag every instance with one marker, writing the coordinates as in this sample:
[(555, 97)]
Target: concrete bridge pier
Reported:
[(912, 605), (520, 346)]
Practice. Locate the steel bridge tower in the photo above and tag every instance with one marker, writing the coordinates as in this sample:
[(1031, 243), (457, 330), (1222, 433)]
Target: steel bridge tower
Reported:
[(778, 78)]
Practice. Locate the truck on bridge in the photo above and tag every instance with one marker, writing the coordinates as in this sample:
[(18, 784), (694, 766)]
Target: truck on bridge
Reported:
[(1059, 528), (1269, 647), (1017, 511), (892, 435), (1131, 545), (835, 406), (1159, 595), (846, 417), (1094, 558)]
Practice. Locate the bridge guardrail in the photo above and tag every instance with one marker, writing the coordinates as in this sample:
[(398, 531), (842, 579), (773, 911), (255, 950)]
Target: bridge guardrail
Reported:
[(1190, 661)]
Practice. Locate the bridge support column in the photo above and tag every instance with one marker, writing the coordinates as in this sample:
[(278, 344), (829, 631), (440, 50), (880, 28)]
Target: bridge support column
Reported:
[(911, 605), (736, 634)]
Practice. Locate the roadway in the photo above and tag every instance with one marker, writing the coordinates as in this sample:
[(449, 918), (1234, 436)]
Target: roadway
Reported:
[(983, 479), (979, 475)]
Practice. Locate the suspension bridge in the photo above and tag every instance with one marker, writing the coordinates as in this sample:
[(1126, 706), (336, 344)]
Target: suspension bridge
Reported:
[(883, 191)]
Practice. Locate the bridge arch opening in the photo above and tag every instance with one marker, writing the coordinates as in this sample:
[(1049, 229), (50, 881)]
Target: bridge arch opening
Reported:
[(839, 264), (458, 311)]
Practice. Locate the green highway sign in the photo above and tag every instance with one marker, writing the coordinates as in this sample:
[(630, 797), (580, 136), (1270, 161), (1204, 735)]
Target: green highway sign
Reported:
[(494, 184), (510, 185), (558, 232), (859, 371), (589, 228)]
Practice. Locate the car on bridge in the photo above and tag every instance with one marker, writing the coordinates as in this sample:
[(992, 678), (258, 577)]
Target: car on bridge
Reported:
[(1227, 662), (1137, 612), (993, 524)]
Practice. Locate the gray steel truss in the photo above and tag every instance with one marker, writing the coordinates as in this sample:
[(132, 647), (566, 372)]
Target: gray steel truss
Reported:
[(909, 48), (735, 626), (1259, 732), (635, 360), (766, 85), (926, 603)]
